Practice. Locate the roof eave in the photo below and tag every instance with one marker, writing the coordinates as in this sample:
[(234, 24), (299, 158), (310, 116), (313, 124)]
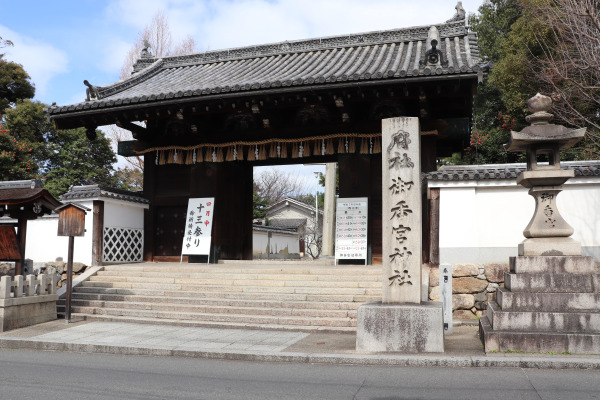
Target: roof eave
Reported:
[(82, 114)]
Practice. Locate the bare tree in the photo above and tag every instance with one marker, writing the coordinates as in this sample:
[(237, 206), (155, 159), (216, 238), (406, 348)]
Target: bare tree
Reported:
[(570, 66), (275, 184), (157, 34), (313, 240)]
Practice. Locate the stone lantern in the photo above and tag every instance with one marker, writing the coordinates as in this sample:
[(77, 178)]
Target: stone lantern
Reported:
[(547, 234), (550, 301)]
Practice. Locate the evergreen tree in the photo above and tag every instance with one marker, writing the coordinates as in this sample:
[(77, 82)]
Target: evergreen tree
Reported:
[(75, 160), (14, 84), (15, 160)]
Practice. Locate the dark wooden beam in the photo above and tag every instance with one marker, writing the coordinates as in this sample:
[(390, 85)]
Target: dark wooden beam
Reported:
[(137, 131)]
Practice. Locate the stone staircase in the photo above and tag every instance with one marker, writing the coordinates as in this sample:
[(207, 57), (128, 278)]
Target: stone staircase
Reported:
[(283, 296), (549, 304)]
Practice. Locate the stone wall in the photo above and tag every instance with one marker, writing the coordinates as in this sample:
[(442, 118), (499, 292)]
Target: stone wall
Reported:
[(60, 268), (473, 285)]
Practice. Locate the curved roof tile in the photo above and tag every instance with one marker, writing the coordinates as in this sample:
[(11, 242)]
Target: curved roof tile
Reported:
[(504, 171), (367, 56)]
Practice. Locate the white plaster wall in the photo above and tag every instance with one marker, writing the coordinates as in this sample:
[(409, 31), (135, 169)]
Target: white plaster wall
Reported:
[(579, 204), (502, 215), (458, 225), (483, 221), (43, 243), (278, 242), (120, 214)]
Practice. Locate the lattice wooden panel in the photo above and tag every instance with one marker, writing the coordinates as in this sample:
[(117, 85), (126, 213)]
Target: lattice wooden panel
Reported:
[(122, 245)]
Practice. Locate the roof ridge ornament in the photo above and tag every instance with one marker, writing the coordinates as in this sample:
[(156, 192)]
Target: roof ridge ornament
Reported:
[(460, 14), (433, 55), (146, 53), (91, 92)]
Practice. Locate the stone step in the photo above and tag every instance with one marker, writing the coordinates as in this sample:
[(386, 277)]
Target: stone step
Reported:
[(544, 282), (238, 282), (235, 318), (211, 324), (313, 298), (537, 341), (572, 322), (226, 288), (206, 301), (560, 302), (349, 276), (201, 268), (216, 309), (553, 265), (230, 294)]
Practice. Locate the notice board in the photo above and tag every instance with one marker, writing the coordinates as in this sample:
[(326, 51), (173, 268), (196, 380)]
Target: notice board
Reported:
[(351, 224), (198, 227)]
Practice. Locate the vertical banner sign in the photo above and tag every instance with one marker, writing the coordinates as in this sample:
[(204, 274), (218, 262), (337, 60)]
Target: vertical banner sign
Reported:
[(401, 210), (351, 223), (198, 227)]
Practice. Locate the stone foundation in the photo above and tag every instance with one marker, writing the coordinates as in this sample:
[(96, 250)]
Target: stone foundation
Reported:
[(407, 328), (26, 301), (473, 286), (25, 311)]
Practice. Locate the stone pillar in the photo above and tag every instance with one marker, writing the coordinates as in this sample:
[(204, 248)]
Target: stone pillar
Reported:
[(401, 322), (329, 211), (401, 210)]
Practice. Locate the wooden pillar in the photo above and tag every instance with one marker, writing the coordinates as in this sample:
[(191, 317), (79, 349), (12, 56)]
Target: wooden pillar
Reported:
[(149, 214), (434, 227), (97, 232), (22, 235)]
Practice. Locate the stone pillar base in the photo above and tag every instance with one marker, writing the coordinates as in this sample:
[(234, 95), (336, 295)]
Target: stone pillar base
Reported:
[(555, 246), (407, 328), (547, 304)]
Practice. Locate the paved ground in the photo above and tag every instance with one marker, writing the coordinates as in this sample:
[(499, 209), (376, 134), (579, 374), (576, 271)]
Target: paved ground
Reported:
[(463, 348)]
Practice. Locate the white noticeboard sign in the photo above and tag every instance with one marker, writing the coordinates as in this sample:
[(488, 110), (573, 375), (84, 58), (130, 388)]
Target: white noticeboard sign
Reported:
[(198, 227), (351, 224), (446, 295)]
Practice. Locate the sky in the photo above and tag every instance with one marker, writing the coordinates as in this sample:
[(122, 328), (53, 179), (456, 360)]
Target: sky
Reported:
[(61, 43)]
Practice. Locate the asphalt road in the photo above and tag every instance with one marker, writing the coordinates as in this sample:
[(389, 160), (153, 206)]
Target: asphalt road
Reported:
[(48, 375)]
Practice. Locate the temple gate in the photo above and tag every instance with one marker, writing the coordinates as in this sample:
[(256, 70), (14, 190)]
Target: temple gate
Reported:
[(201, 122)]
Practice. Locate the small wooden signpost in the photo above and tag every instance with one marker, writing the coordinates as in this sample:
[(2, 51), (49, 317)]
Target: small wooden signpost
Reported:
[(71, 223)]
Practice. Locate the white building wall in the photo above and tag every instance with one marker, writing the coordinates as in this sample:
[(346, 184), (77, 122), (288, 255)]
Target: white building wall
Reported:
[(483, 221), (44, 245), (121, 214), (279, 244)]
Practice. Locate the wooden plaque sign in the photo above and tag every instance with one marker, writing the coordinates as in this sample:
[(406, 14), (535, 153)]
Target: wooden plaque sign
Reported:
[(9, 246)]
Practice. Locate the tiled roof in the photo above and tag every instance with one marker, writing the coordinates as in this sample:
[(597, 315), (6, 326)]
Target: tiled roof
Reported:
[(274, 229), (504, 171), (287, 223), (95, 191), (374, 56)]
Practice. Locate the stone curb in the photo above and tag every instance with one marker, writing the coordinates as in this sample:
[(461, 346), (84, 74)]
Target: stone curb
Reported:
[(318, 358)]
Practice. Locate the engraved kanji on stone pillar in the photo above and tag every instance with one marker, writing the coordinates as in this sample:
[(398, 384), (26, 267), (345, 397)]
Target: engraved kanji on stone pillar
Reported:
[(401, 210)]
